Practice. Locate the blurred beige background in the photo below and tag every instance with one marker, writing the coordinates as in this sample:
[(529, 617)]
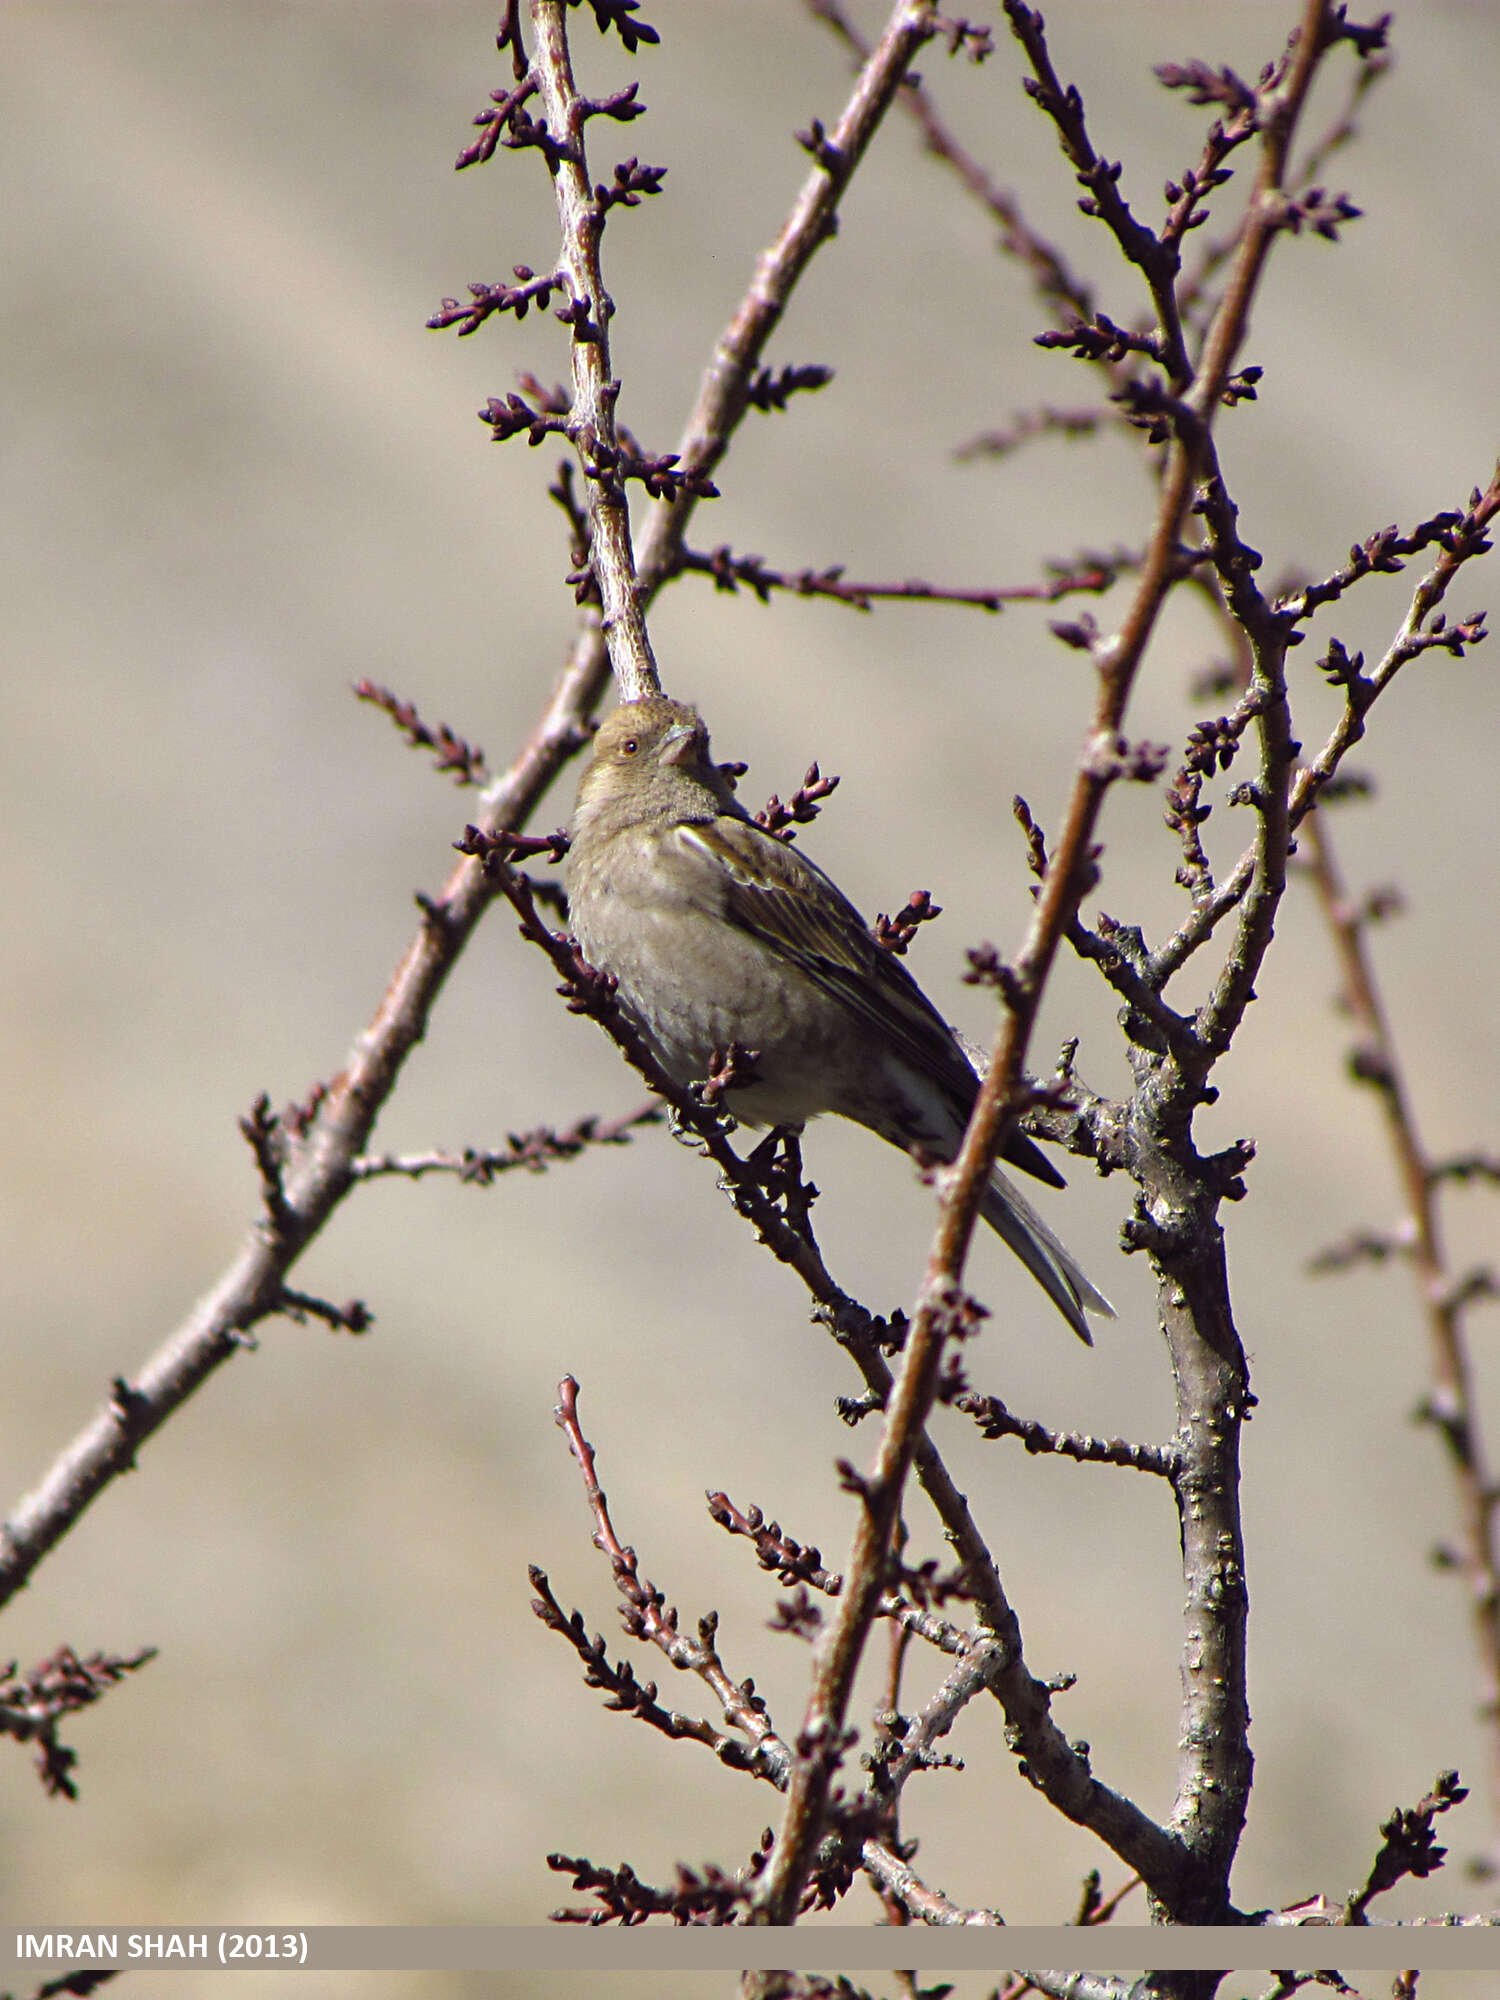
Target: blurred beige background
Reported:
[(236, 473)]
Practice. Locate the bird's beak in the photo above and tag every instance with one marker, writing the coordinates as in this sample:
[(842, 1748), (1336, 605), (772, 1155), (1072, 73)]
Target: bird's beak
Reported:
[(682, 744)]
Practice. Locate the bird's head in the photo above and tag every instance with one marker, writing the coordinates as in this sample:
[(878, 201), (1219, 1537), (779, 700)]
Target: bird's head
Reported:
[(650, 760)]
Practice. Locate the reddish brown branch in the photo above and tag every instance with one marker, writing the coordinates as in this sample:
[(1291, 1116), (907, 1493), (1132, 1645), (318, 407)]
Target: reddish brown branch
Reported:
[(647, 1615), (1452, 1404), (1055, 281), (465, 761)]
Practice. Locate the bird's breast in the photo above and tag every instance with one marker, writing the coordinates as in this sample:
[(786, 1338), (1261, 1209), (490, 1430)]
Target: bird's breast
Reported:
[(694, 982)]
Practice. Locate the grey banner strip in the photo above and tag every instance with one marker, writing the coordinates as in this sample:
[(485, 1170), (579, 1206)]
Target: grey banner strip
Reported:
[(825, 1948)]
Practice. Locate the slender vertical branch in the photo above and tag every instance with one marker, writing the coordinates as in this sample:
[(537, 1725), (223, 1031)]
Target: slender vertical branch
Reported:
[(595, 391), (1183, 1233), (1268, 208), (724, 394), (1451, 1406)]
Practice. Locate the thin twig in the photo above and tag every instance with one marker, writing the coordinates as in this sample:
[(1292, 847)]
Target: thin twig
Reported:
[(533, 1151), (973, 1674), (731, 572), (995, 1421), (1063, 290), (1421, 631), (1451, 1405), (595, 391), (649, 1617), (725, 393)]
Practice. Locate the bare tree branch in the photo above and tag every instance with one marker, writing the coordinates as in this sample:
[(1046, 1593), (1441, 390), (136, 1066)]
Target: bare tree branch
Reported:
[(319, 1173), (1452, 1404)]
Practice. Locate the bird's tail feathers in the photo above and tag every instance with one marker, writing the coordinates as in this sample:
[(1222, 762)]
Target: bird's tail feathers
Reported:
[(1018, 1225)]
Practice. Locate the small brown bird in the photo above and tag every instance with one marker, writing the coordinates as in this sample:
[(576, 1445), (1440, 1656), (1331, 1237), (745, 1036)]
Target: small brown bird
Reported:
[(716, 932)]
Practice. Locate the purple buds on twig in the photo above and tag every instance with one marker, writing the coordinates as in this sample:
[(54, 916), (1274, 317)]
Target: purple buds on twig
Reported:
[(773, 388), (631, 182), (1409, 1846), (1099, 339), (508, 846), (800, 809), (495, 123), (354, 1316), (1204, 85), (508, 418), (619, 15), (621, 104), (1324, 214), (815, 140), (463, 761), (895, 934), (485, 300), (262, 1132), (1364, 40)]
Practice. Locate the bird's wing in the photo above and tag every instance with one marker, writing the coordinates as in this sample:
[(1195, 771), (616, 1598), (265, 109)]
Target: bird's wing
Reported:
[(772, 891)]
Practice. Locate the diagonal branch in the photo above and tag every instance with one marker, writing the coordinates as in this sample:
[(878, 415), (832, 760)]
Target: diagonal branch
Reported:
[(1452, 1405), (320, 1174), (1053, 1764), (1056, 283), (725, 392)]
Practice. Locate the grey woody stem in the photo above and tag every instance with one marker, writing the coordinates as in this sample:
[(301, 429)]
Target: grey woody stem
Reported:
[(591, 424)]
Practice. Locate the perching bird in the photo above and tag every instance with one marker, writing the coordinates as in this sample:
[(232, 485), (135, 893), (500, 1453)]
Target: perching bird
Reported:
[(718, 933)]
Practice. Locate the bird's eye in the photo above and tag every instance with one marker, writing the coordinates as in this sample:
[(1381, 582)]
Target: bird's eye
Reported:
[(629, 747)]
